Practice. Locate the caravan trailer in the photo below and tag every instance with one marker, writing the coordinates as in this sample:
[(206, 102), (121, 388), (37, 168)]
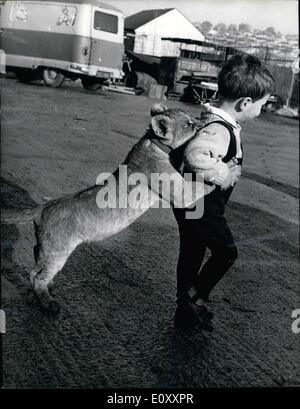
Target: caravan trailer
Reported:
[(57, 39)]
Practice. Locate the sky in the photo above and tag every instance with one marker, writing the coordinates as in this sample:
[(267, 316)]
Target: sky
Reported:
[(260, 14)]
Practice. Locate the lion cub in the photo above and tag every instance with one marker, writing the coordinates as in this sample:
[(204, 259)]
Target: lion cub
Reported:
[(62, 224)]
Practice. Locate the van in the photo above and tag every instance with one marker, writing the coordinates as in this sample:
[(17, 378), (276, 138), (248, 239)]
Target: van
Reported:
[(54, 40)]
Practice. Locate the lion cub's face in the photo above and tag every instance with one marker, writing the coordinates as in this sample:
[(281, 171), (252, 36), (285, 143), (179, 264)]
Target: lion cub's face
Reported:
[(173, 126)]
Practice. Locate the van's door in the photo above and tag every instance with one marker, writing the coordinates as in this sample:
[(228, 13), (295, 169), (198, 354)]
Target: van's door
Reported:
[(107, 32)]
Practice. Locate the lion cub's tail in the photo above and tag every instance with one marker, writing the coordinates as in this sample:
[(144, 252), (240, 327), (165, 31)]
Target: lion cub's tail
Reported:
[(19, 216)]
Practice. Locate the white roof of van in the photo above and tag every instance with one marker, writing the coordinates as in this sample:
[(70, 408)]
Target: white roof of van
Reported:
[(93, 2)]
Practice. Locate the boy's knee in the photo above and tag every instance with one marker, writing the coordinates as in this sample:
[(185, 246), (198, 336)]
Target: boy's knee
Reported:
[(228, 255), (231, 255)]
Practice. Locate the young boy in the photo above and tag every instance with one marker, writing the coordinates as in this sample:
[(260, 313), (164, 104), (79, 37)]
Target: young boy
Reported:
[(216, 152)]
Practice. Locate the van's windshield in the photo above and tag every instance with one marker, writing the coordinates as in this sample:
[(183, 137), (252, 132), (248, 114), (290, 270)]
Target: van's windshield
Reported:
[(105, 22)]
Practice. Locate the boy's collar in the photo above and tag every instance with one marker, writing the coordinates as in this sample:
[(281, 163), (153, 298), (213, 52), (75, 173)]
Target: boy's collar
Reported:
[(223, 114)]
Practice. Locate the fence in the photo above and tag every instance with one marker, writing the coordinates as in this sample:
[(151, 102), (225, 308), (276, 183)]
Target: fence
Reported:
[(198, 56)]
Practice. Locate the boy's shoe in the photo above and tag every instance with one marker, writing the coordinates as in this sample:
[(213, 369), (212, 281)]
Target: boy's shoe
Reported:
[(189, 315)]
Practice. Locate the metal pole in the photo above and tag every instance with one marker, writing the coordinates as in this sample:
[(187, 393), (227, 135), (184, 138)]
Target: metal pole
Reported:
[(289, 97)]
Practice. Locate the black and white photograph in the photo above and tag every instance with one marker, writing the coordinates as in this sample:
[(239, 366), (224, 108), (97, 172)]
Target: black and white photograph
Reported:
[(149, 197)]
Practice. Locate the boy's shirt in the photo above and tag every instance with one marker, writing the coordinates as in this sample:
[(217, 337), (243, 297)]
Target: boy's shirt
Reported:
[(204, 153)]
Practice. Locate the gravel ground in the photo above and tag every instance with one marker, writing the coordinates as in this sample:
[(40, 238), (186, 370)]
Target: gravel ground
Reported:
[(117, 297)]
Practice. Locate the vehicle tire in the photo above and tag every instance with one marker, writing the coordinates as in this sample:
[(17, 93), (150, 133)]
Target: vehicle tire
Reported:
[(90, 84), (269, 107), (25, 75), (53, 78)]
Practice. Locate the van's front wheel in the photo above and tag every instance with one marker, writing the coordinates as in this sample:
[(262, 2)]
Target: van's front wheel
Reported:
[(90, 84), (53, 78)]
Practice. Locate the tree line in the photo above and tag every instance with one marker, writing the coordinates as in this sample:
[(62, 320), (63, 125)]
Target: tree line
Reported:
[(221, 28)]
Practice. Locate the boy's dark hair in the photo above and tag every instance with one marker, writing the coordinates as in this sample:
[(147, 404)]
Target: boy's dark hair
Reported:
[(245, 76)]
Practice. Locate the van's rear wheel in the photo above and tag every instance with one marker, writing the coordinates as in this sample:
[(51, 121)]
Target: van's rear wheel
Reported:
[(24, 75), (90, 84), (53, 78)]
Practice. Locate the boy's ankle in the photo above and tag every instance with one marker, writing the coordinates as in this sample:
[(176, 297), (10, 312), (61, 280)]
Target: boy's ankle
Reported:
[(196, 297), (200, 301)]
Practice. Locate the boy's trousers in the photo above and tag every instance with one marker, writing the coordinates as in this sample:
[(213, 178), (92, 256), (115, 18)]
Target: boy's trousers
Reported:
[(208, 232), (196, 235)]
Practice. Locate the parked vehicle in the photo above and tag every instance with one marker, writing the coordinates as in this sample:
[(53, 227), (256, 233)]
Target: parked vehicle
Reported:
[(273, 103), (57, 39), (201, 88)]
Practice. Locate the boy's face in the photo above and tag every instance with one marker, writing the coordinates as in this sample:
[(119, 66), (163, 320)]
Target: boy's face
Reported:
[(250, 109)]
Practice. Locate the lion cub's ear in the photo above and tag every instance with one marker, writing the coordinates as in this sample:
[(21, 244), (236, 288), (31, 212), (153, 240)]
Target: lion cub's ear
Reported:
[(158, 108), (162, 126)]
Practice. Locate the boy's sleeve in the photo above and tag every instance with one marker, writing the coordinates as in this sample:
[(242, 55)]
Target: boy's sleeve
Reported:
[(205, 151)]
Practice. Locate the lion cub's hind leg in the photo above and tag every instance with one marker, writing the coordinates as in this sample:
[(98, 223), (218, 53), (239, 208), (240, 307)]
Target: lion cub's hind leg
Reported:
[(42, 275)]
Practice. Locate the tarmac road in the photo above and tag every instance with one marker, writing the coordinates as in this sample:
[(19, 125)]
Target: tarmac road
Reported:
[(117, 297)]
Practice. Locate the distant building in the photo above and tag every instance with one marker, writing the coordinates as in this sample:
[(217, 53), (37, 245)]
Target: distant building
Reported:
[(212, 32), (144, 30)]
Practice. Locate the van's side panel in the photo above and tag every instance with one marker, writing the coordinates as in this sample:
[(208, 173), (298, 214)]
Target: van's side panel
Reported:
[(43, 31), (45, 16), (63, 47), (36, 33)]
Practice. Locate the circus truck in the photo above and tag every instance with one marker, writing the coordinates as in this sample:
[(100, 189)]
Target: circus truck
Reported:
[(54, 40)]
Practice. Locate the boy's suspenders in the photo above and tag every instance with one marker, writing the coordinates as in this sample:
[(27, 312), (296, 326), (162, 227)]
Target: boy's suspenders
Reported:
[(232, 149), (176, 156), (215, 201), (219, 196)]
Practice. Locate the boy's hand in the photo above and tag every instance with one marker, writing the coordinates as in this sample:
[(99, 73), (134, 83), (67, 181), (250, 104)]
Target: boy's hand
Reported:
[(234, 174), (232, 163)]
